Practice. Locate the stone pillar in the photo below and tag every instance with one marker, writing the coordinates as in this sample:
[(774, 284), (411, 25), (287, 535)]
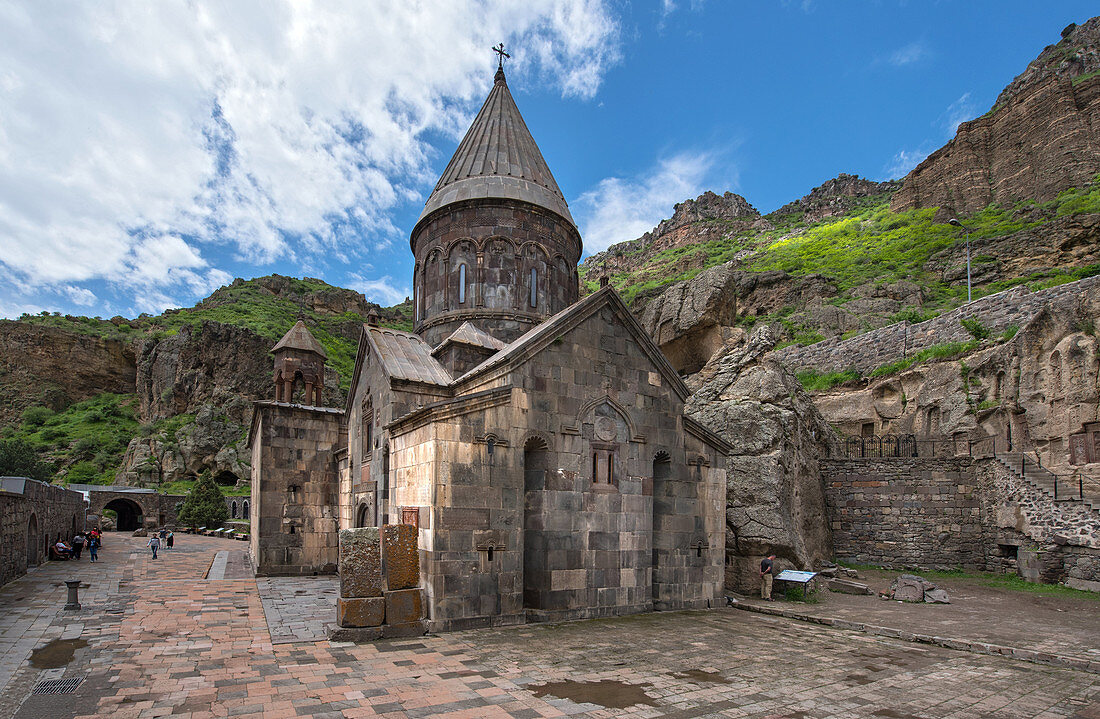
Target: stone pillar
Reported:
[(380, 594), (361, 605)]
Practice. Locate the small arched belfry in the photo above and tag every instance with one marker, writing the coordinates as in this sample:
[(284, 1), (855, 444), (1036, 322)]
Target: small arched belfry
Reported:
[(299, 365), (536, 440)]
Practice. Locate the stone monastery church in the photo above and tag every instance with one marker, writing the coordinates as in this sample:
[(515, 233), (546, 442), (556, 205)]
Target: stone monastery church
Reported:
[(536, 440)]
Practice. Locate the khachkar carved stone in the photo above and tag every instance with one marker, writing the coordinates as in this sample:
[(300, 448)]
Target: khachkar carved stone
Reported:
[(400, 556), (379, 584), (360, 563)]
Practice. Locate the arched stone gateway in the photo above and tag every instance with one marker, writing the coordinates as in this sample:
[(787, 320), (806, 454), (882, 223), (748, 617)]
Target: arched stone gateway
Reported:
[(130, 514)]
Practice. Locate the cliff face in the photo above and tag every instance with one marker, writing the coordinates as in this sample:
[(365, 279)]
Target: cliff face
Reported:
[(1041, 137), (775, 498), (692, 222), (55, 367), (835, 197)]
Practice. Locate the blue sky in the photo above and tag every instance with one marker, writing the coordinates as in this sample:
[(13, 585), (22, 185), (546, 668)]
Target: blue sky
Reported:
[(150, 153)]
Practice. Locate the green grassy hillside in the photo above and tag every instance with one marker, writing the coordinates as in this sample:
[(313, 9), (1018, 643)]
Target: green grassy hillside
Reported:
[(868, 244)]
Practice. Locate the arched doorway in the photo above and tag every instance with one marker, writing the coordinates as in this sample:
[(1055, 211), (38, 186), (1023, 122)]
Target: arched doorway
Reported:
[(536, 572), (233, 509), (244, 513), (130, 516), (32, 541), (362, 515)]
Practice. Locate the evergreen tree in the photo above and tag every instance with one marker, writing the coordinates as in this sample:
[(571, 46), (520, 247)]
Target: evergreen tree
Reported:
[(18, 459), (205, 505)]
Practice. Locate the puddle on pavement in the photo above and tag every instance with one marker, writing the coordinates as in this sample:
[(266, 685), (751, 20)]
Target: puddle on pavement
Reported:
[(698, 675), (56, 654), (607, 693)]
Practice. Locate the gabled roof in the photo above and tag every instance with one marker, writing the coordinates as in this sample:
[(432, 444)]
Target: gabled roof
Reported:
[(538, 337), (467, 334), (498, 158), (300, 338), (406, 356)]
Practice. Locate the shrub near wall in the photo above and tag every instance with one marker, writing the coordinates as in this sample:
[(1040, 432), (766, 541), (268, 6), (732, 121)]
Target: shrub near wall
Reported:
[(911, 512)]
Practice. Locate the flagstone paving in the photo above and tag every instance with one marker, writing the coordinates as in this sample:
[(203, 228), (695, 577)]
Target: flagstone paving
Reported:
[(169, 638)]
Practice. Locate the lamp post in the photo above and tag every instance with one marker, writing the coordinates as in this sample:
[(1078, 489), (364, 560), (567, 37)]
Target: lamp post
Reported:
[(956, 223)]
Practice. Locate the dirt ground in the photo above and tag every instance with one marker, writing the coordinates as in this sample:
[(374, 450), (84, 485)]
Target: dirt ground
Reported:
[(1066, 625)]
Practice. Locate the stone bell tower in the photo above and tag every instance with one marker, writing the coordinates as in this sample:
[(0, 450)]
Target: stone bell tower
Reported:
[(495, 246), (299, 364)]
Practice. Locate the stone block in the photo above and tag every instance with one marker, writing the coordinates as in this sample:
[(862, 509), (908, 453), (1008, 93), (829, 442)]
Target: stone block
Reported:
[(360, 563), (360, 612), (404, 606), (355, 634), (406, 629), (400, 556)]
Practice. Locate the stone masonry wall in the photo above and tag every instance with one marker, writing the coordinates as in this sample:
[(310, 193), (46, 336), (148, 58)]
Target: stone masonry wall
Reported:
[(997, 312), (905, 512), (56, 513)]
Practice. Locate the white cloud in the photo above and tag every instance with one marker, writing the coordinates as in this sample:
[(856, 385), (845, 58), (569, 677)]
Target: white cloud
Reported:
[(911, 53), (137, 138), (80, 295), (620, 209), (957, 113), (903, 162), (382, 290)]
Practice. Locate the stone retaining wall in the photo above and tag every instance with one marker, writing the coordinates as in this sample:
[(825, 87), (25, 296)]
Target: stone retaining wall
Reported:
[(998, 312), (34, 515), (904, 512)]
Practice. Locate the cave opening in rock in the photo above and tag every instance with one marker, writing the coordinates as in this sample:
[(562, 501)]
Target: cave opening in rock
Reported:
[(225, 478)]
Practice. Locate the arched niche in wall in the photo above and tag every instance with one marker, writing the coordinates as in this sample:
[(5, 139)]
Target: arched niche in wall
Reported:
[(462, 264), (499, 273), (533, 280)]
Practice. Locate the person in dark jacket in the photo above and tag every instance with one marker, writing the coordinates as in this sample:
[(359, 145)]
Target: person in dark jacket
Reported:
[(766, 566)]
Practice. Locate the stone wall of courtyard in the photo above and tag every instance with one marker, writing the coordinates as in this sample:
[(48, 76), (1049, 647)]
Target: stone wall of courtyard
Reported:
[(34, 515), (901, 512)]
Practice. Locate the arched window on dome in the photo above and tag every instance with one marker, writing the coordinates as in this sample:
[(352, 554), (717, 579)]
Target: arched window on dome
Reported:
[(534, 295), (462, 283)]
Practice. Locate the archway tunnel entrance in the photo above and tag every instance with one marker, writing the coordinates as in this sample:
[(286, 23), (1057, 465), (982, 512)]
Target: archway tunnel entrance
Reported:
[(130, 516)]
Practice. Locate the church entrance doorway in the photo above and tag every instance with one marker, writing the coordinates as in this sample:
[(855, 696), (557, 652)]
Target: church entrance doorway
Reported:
[(362, 515), (130, 515), (663, 506), (536, 460), (32, 541)]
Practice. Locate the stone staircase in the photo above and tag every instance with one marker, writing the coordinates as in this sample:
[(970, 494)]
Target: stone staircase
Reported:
[(1058, 488)]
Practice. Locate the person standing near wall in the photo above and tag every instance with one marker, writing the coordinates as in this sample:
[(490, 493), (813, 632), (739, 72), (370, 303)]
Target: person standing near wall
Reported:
[(766, 566), (170, 539), (154, 544), (78, 545), (93, 547)]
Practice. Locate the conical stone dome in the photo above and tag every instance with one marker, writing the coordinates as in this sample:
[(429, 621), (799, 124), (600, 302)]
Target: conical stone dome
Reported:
[(498, 158), (495, 246)]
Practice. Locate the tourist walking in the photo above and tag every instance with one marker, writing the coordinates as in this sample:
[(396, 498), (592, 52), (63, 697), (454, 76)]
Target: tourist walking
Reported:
[(78, 544), (93, 548), (170, 540), (154, 544), (766, 566)]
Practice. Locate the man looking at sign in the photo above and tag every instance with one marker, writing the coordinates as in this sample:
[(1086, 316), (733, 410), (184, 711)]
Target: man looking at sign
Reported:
[(766, 577)]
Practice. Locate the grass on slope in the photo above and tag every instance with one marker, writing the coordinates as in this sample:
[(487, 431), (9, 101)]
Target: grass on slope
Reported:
[(87, 440), (869, 244)]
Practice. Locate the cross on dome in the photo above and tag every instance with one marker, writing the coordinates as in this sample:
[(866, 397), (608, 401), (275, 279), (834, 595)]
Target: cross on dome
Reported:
[(499, 50)]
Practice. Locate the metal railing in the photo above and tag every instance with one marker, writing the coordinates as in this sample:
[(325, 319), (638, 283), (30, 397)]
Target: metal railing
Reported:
[(908, 446)]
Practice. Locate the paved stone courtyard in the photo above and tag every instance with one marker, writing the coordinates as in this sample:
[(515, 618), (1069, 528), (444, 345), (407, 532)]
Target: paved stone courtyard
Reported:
[(171, 639)]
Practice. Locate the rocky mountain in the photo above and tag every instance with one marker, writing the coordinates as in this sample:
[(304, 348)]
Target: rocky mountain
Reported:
[(188, 377), (1041, 136)]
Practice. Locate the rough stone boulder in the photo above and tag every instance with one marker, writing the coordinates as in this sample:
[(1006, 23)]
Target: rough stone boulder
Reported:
[(911, 588), (775, 496)]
